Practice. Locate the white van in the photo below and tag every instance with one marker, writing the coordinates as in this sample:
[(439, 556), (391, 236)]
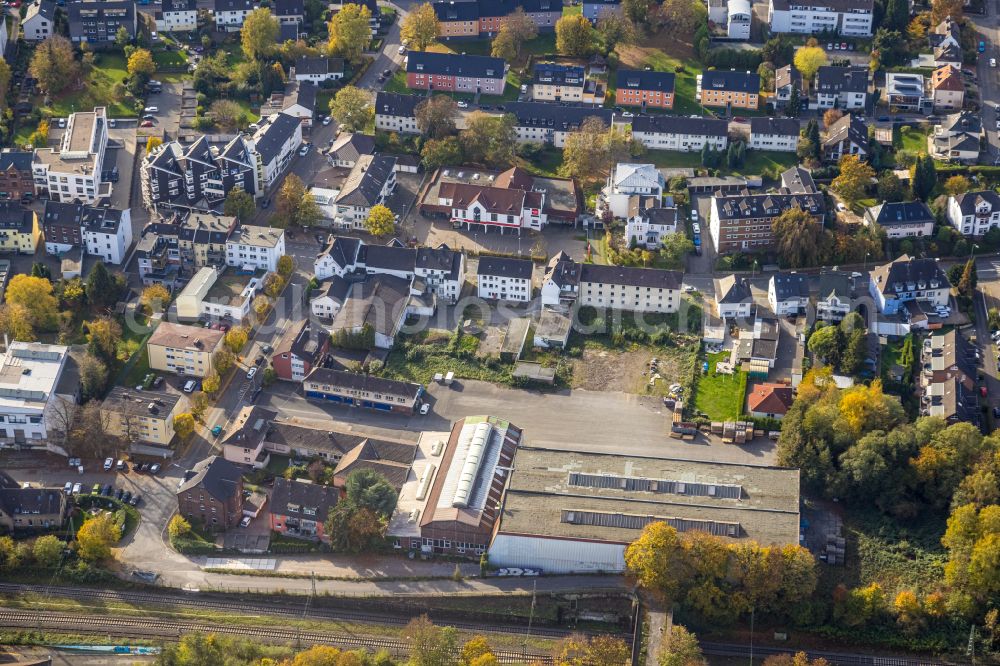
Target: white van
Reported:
[(189, 386)]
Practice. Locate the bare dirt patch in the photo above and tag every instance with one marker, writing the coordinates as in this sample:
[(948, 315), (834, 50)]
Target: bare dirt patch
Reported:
[(637, 55), (603, 369)]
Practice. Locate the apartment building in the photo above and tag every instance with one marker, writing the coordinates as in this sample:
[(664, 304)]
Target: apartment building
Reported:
[(298, 351), (142, 415), (628, 180), (211, 494), (102, 232), (97, 22), (557, 83), (177, 16), (788, 293), (222, 296), (910, 219), (629, 288), (32, 508), (395, 112), (451, 72), (777, 134), (473, 18), (370, 183), (39, 21), (196, 239), (538, 122), (681, 133), (255, 248), (743, 222), (594, 9), (230, 14), (729, 88), (850, 18), (645, 88), (896, 283), (19, 228), (299, 508), (841, 87), (16, 180), (907, 92), (73, 170), (275, 143), (198, 176), (948, 379), (974, 213), (183, 350), (504, 279), (649, 221), (32, 380), (947, 89)]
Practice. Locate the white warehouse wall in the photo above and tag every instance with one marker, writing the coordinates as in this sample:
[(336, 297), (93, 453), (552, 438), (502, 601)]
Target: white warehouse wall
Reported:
[(556, 555)]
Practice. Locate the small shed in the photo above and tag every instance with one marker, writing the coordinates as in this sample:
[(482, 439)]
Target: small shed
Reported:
[(552, 330)]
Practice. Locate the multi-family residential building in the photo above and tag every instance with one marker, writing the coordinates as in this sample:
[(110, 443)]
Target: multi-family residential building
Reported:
[(211, 494), (645, 88), (729, 88), (218, 295), (902, 219), (19, 228), (196, 239), (788, 293), (649, 221), (561, 283), (974, 213), (348, 148), (743, 222), (255, 248), (833, 298), (318, 69), (296, 99), (135, 415), (557, 83), (102, 232), (230, 14), (198, 176), (504, 278), (30, 509), (595, 9), (17, 183), (786, 79), (73, 170), (904, 280), (946, 41), (733, 298), (947, 88), (299, 508), (97, 22), (538, 122), (158, 261), (32, 382), (847, 136), (177, 16), (957, 138), (275, 143), (906, 92), (949, 379), (351, 389), (850, 18), (739, 16), (681, 133), (182, 349), (289, 12), (451, 72), (39, 21), (841, 87), (370, 183), (779, 134), (628, 180), (629, 288), (395, 112), (326, 300), (472, 18), (298, 351)]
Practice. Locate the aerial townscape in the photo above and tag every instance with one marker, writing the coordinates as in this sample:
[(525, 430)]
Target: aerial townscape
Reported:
[(525, 332)]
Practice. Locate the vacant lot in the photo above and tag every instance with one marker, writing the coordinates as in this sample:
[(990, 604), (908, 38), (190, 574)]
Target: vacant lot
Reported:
[(604, 369)]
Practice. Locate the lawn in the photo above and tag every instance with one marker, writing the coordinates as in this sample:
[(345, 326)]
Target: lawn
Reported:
[(910, 139), (720, 396), (109, 69), (164, 58)]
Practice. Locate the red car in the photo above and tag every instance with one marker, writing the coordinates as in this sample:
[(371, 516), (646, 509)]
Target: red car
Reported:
[(146, 123)]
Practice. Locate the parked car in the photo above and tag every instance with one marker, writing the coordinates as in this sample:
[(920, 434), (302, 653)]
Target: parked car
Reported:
[(190, 385), (68, 488), (108, 464), (463, 105), (135, 499), (304, 150), (149, 116), (251, 373), (77, 487), (982, 46), (267, 349), (120, 466), (245, 521), (151, 109), (327, 120), (401, 50), (425, 408), (154, 468), (146, 123), (216, 430), (96, 490)]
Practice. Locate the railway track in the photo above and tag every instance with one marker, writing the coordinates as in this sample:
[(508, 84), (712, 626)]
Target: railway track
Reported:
[(173, 629), (205, 601)]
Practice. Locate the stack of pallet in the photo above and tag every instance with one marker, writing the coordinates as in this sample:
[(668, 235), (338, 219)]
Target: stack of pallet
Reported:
[(835, 546)]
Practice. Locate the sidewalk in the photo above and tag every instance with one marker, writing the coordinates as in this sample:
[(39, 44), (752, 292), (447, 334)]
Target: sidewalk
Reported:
[(371, 568)]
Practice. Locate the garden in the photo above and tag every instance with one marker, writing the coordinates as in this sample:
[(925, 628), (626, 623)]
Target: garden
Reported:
[(720, 396)]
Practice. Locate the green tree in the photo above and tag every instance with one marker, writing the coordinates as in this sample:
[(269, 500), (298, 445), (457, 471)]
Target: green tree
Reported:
[(436, 116), (286, 266), (5, 76), (923, 177), (614, 29), (227, 114), (368, 489), (431, 645), (53, 65), (96, 536), (240, 205), (441, 152), (674, 248), (122, 37), (100, 287), (420, 27), (796, 238), (826, 344), (381, 221), (93, 376), (890, 187), (141, 64), (967, 283), (639, 11), (794, 104), (574, 36), (352, 107), (897, 15), (680, 648), (236, 339), (259, 34), (350, 31), (47, 550), (289, 200), (682, 17), (854, 178), (489, 140), (515, 30), (812, 133)]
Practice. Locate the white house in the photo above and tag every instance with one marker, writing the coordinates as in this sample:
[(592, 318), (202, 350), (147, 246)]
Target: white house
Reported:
[(778, 134), (628, 180), (902, 219), (230, 14), (974, 213), (561, 284), (850, 18), (442, 271), (39, 21), (629, 288), (338, 258), (326, 301), (177, 16), (897, 283), (648, 222), (788, 293), (73, 170), (733, 297), (275, 143), (680, 133), (395, 112), (738, 18), (217, 296), (318, 69), (957, 138), (504, 279), (841, 87), (31, 390), (258, 248), (325, 198), (102, 232), (370, 183), (833, 299)]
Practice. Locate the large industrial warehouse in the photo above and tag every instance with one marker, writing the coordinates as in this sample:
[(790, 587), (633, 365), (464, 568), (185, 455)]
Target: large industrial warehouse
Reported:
[(568, 511)]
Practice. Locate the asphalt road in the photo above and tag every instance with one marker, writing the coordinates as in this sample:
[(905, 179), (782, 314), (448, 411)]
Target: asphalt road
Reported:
[(986, 27)]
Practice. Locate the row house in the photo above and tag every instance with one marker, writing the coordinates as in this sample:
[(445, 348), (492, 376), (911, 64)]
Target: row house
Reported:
[(197, 176), (743, 222), (102, 232), (645, 88), (475, 18), (909, 219), (504, 279), (177, 16), (16, 180), (370, 183), (557, 83), (728, 88), (850, 18), (73, 170), (841, 87), (20, 232), (947, 89), (395, 112), (777, 134), (537, 122), (681, 133), (97, 22), (974, 213), (948, 378), (451, 72)]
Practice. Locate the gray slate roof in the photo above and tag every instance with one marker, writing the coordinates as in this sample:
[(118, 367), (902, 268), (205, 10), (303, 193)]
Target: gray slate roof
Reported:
[(219, 477)]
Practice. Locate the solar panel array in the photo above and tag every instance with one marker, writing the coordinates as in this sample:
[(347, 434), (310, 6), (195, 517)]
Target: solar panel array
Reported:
[(635, 522), (635, 484)]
